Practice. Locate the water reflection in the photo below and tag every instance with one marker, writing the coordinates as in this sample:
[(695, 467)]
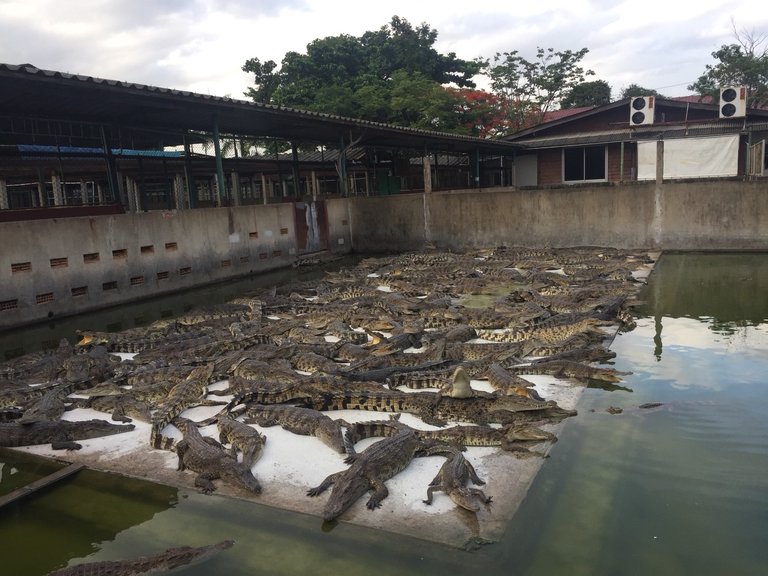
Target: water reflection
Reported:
[(680, 489), (74, 518)]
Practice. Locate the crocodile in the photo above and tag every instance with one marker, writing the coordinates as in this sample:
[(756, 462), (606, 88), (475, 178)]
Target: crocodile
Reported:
[(61, 434), (510, 437), (122, 407), (211, 461), (420, 379), (304, 421), (452, 479), (94, 365), (133, 341), (161, 562), (50, 406), (570, 369), (394, 374), (580, 354), (509, 383), (458, 385), (37, 367), (182, 396), (368, 471), (431, 407), (227, 311), (207, 349), (242, 437), (480, 350), (546, 331), (312, 362)]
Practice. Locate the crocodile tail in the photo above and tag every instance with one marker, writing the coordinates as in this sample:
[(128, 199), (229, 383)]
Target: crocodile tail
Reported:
[(160, 442)]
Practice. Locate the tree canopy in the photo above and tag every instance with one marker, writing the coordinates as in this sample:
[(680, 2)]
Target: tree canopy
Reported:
[(392, 75), (744, 63), (595, 93), (532, 88), (637, 90)]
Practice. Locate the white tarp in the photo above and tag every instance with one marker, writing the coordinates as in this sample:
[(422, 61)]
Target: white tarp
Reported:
[(646, 160), (690, 157)]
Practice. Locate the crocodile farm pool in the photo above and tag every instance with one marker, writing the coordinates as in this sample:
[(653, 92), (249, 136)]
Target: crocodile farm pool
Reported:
[(652, 462)]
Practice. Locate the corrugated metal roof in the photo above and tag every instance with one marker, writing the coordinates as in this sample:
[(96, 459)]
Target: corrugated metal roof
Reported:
[(98, 152), (25, 89), (651, 132)]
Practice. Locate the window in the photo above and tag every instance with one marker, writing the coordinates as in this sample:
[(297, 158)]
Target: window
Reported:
[(584, 164)]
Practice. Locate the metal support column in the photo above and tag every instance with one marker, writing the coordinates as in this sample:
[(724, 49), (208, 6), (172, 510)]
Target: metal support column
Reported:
[(109, 158)]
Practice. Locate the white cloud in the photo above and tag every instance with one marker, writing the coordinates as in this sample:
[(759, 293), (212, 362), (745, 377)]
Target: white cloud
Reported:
[(201, 45)]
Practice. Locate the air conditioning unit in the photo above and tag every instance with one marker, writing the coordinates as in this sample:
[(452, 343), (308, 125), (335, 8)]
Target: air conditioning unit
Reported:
[(641, 110), (733, 101)]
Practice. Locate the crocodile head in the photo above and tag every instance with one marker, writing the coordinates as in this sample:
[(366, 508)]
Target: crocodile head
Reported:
[(86, 429), (240, 475), (527, 433), (90, 338), (465, 498)]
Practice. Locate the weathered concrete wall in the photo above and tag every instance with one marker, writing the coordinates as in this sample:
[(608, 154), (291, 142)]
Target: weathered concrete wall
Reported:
[(388, 223), (339, 227), (697, 215), (603, 216), (714, 215), (50, 268)]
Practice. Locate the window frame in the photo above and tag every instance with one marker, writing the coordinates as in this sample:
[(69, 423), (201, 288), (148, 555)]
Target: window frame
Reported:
[(583, 164)]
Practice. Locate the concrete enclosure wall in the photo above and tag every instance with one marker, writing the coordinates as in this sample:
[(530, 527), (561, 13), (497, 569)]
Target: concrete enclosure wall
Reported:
[(49, 268), (695, 215)]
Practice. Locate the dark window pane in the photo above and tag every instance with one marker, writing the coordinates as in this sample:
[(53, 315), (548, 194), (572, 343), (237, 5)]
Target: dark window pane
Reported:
[(594, 163), (573, 160)]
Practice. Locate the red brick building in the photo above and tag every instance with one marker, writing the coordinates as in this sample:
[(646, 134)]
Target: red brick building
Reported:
[(619, 142)]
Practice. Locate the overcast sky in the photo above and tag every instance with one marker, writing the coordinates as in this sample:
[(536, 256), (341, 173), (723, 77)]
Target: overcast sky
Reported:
[(201, 45)]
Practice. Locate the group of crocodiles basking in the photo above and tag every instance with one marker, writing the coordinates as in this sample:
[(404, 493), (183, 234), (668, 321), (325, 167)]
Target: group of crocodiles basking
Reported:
[(389, 335)]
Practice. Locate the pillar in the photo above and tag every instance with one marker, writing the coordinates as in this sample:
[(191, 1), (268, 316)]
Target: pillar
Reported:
[(427, 164), (235, 188), (659, 161), (178, 191), (58, 197), (130, 186), (4, 202), (219, 163), (264, 188)]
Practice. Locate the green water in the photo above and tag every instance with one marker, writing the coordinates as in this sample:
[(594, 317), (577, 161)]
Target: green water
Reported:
[(680, 489)]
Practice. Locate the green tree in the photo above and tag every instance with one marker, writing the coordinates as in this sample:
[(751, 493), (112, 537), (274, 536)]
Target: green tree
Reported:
[(594, 93), (393, 74), (744, 63), (266, 80), (637, 90), (532, 88)]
